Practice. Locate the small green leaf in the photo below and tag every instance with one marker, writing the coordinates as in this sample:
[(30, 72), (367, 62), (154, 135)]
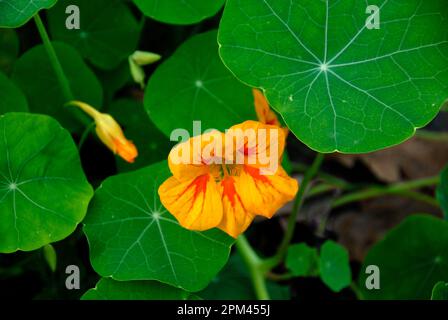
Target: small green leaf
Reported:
[(442, 192), (108, 289), (14, 13), (51, 257), (153, 146), (34, 74), (339, 85), (108, 33), (9, 49), (40, 176), (412, 258), (334, 266), (302, 260), (132, 237), (194, 85), (11, 98), (179, 11), (440, 291)]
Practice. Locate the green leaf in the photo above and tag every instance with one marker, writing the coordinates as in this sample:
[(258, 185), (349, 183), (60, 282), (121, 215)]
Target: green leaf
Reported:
[(334, 266), (234, 283), (9, 49), (108, 33), (34, 74), (14, 13), (179, 11), (108, 289), (440, 291), (412, 258), (40, 176), (302, 260), (11, 98), (50, 257), (132, 237), (194, 85), (153, 146), (339, 85), (113, 80), (442, 192)]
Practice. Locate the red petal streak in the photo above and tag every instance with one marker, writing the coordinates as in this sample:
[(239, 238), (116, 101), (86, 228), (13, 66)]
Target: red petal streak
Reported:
[(255, 173)]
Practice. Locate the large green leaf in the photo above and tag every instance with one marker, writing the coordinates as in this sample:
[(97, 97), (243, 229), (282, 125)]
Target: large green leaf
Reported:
[(412, 258), (14, 13), (35, 76), (194, 85), (43, 191), (132, 237), (442, 192), (11, 98), (9, 49), (339, 85), (153, 146), (108, 34), (334, 266), (108, 289), (179, 11)]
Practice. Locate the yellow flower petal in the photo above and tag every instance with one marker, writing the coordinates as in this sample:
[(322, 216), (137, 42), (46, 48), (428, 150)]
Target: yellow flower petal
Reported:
[(196, 204), (265, 194), (191, 159), (236, 218), (257, 141)]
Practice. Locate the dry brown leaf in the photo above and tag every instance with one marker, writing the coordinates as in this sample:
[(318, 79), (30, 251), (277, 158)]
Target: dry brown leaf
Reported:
[(413, 159)]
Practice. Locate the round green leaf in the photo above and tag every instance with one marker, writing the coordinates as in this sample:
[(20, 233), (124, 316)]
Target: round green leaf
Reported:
[(153, 146), (11, 98), (339, 85), (9, 49), (194, 85), (179, 11), (108, 32), (108, 289), (132, 237), (440, 291), (302, 260), (14, 13), (334, 266), (412, 258), (40, 176), (34, 74), (442, 192)]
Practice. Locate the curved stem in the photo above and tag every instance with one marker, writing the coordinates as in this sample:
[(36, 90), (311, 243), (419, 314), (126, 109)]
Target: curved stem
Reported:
[(255, 266), (298, 202), (403, 188), (55, 63), (57, 67)]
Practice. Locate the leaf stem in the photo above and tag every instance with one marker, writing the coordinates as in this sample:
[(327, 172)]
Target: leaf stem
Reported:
[(402, 188), (55, 63), (255, 266), (298, 202)]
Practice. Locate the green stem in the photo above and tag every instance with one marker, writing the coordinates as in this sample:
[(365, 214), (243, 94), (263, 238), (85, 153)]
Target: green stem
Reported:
[(56, 64), (432, 135), (85, 134), (403, 188), (255, 266), (298, 202)]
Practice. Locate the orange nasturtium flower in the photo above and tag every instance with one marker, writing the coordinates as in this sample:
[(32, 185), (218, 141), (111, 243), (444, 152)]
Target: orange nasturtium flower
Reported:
[(110, 132), (214, 190)]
